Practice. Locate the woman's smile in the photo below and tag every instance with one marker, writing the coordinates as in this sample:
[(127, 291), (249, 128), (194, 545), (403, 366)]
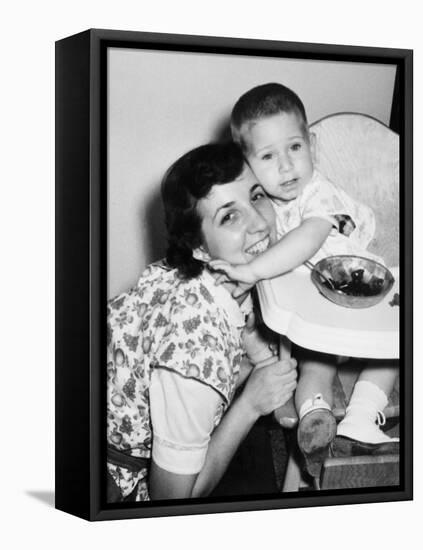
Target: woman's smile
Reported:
[(259, 247)]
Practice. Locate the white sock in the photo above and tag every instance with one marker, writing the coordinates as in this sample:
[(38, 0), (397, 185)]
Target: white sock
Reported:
[(364, 415), (317, 402)]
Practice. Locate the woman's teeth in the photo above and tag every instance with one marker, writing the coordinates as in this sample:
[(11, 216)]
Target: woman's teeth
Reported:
[(259, 247)]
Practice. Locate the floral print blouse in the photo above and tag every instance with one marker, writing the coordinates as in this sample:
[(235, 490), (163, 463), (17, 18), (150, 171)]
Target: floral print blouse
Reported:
[(169, 322)]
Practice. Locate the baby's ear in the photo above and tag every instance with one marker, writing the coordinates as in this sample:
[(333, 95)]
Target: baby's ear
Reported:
[(313, 146)]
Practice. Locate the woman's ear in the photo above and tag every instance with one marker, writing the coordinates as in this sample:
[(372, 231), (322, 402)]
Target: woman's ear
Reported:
[(201, 254)]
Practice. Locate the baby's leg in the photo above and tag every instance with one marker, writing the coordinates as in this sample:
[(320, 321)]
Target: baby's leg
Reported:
[(317, 372), (382, 373), (316, 375), (369, 398), (314, 401)]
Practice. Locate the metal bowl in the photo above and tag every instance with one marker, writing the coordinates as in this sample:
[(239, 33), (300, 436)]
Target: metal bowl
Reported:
[(358, 282)]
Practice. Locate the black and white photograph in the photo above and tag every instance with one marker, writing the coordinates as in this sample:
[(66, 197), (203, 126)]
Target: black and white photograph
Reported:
[(210, 266), (248, 208), (305, 205)]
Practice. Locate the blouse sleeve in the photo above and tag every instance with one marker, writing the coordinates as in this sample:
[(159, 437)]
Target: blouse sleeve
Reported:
[(198, 342), (182, 415)]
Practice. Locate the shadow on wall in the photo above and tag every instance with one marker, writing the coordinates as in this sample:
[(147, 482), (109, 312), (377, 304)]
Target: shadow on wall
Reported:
[(152, 226), (222, 132)]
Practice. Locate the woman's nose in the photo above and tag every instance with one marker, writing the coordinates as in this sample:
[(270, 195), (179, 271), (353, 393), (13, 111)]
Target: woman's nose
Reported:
[(256, 222)]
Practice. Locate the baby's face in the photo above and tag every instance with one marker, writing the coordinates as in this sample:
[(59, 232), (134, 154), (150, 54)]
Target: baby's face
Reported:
[(280, 153)]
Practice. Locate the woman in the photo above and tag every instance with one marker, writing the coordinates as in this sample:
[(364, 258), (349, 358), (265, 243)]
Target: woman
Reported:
[(178, 345)]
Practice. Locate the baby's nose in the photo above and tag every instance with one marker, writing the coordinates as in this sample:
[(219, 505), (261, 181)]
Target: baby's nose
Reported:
[(285, 163)]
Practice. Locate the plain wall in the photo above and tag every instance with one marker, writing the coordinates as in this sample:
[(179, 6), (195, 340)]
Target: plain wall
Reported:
[(162, 104)]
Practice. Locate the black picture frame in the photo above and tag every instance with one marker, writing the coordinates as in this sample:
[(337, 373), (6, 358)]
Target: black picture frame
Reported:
[(81, 276)]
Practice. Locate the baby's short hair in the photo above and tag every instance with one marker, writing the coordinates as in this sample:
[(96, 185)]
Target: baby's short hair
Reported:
[(263, 101)]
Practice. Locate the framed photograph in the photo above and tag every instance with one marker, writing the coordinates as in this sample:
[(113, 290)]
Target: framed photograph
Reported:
[(233, 274)]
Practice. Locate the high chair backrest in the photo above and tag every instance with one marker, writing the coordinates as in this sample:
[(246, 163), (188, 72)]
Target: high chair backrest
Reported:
[(361, 154)]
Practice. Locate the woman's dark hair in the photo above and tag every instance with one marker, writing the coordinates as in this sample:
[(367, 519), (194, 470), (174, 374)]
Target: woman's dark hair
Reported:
[(189, 179)]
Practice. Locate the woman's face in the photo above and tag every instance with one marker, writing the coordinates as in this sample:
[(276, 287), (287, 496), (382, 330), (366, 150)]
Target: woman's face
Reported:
[(238, 221)]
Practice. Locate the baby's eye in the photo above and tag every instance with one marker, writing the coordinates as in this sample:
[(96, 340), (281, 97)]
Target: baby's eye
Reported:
[(296, 146), (267, 156)]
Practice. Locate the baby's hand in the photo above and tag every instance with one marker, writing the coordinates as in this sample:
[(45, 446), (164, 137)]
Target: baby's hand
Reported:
[(237, 272)]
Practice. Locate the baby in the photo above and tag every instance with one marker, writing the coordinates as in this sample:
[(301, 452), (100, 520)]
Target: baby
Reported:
[(316, 218)]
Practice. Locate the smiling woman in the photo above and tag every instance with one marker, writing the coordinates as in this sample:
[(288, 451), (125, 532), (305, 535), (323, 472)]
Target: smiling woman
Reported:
[(238, 219), (179, 346)]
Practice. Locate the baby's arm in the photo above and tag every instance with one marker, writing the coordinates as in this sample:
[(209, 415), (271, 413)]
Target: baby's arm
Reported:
[(292, 250)]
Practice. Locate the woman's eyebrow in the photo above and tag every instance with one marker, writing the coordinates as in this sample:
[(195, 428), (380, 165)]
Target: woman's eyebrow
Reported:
[(226, 205)]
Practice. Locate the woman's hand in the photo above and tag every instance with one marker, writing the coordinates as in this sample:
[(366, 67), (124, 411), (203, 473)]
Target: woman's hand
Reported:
[(255, 344), (270, 385)]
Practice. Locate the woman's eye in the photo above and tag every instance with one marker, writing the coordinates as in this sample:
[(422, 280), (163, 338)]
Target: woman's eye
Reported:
[(228, 218), (258, 196), (296, 146)]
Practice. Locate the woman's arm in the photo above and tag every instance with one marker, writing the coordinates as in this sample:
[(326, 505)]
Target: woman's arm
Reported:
[(266, 389), (164, 485), (223, 443), (292, 250)]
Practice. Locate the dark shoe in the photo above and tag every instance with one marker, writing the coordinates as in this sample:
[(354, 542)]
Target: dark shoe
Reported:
[(344, 446), (316, 432)]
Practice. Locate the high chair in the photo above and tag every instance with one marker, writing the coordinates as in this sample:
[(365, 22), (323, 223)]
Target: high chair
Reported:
[(360, 154)]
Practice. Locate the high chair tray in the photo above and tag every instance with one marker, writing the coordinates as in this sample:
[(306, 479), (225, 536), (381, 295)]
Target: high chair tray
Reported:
[(292, 306)]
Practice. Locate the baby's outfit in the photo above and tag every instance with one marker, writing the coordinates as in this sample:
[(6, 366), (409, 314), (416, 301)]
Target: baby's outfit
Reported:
[(353, 228), (354, 224)]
